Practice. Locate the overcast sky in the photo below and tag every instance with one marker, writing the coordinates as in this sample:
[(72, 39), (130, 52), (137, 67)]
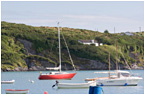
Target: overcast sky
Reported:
[(92, 15)]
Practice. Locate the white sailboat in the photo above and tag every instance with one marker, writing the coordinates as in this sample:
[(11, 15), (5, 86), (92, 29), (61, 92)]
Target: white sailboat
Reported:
[(121, 78), (60, 74)]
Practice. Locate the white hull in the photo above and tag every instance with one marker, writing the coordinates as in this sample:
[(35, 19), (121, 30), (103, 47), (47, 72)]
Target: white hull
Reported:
[(130, 81), (76, 85), (8, 82)]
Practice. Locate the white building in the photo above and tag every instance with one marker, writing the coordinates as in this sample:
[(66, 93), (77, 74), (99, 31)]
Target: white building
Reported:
[(89, 42), (127, 33)]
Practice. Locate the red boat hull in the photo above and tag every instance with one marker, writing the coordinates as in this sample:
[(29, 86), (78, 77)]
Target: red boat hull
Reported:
[(59, 76)]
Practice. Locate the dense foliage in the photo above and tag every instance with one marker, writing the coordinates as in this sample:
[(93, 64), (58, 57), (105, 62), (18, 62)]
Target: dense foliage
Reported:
[(45, 42)]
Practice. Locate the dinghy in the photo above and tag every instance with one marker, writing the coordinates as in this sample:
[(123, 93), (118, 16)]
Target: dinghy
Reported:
[(12, 91), (7, 82), (75, 85)]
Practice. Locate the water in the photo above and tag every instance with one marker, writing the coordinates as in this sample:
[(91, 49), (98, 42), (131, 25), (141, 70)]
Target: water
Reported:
[(40, 86)]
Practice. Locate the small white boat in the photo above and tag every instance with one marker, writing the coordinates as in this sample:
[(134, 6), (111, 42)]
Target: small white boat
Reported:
[(76, 85), (12, 91), (8, 82)]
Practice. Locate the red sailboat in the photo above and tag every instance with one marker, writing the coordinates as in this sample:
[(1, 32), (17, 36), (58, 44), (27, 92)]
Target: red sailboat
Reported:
[(60, 74), (56, 75)]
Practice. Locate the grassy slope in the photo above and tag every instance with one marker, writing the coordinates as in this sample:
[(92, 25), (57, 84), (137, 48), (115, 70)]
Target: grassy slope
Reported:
[(45, 39)]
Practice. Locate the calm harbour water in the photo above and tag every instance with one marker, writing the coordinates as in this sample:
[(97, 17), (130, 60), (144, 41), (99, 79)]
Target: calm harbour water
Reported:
[(40, 86)]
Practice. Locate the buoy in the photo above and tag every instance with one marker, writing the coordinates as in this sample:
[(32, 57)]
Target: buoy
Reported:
[(45, 92), (101, 84), (32, 81), (125, 84), (95, 90), (91, 90)]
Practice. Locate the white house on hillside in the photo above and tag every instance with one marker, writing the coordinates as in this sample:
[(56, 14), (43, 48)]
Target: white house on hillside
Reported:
[(127, 33), (88, 42)]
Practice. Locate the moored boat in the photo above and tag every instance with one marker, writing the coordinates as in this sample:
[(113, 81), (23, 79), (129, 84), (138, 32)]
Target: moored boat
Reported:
[(123, 78), (13, 91), (7, 82), (56, 75), (76, 85), (60, 74)]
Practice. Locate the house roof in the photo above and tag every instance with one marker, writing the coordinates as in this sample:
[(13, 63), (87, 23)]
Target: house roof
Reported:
[(88, 41)]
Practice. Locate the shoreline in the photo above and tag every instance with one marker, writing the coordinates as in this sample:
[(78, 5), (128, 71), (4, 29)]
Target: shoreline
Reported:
[(63, 70)]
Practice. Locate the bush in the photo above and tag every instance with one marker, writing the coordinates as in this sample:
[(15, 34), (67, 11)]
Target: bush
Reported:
[(106, 31)]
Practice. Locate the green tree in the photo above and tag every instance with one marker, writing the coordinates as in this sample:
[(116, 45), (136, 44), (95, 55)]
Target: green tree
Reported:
[(106, 31)]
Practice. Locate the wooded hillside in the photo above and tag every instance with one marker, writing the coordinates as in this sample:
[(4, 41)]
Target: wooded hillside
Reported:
[(26, 47)]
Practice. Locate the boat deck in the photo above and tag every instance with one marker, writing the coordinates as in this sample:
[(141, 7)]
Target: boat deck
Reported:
[(93, 79)]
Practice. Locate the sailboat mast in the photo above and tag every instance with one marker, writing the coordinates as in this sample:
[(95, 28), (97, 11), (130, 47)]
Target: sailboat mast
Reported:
[(109, 64), (116, 57), (59, 48)]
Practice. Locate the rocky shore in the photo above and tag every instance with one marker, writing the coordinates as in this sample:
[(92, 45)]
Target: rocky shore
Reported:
[(92, 65)]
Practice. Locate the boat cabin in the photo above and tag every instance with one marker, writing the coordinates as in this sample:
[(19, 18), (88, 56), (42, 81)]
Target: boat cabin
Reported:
[(56, 73), (116, 74), (123, 74)]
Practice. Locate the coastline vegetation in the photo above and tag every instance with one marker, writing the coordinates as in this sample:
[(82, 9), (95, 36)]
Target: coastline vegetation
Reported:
[(45, 43)]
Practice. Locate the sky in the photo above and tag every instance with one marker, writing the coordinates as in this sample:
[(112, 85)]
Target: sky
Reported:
[(92, 15)]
